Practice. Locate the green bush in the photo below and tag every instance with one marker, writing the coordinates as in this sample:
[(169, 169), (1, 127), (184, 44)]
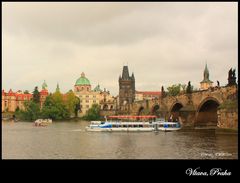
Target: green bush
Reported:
[(93, 113)]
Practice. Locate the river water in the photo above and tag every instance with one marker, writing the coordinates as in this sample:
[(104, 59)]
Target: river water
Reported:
[(69, 140)]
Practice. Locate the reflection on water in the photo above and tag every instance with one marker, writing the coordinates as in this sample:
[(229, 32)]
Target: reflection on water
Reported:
[(69, 140)]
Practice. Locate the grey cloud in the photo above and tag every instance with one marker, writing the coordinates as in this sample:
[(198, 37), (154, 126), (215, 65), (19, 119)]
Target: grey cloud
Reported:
[(163, 43)]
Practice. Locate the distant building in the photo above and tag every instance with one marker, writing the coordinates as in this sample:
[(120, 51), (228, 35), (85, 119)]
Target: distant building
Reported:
[(147, 95), (205, 83), (13, 100), (43, 93), (126, 89), (88, 97)]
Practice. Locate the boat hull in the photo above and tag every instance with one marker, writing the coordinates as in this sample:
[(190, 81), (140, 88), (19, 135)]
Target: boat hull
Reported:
[(119, 129)]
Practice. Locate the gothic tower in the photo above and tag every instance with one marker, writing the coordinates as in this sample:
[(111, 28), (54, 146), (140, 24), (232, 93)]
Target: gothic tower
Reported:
[(126, 89), (205, 83)]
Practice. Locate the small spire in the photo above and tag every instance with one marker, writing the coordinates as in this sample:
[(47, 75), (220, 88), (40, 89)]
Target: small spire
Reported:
[(83, 74), (57, 89), (44, 85), (133, 76)]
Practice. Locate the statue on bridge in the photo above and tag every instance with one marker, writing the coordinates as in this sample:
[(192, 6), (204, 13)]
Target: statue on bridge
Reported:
[(231, 77), (162, 92)]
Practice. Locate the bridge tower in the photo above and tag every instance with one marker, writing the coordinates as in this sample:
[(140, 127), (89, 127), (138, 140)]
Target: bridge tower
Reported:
[(126, 90)]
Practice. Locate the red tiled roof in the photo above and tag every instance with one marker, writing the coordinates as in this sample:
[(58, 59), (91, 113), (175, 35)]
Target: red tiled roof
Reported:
[(44, 92), (21, 96)]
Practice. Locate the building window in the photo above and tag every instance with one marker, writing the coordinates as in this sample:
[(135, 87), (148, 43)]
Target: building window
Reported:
[(87, 96), (87, 101), (94, 96), (87, 106), (94, 101)]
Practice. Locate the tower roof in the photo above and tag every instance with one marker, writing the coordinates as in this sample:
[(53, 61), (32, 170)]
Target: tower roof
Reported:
[(82, 80), (125, 73), (57, 89), (44, 85), (97, 88), (206, 75)]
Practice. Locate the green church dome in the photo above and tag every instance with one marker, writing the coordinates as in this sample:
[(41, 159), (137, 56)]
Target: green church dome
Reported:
[(82, 80)]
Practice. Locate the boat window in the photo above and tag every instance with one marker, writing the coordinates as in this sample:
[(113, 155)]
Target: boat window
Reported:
[(140, 126), (102, 123), (135, 126), (124, 126)]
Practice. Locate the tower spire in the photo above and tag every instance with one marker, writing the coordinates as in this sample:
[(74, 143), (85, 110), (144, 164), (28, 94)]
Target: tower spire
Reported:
[(57, 89), (125, 73), (206, 73)]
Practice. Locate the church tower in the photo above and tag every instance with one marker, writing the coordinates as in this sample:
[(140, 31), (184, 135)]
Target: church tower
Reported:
[(205, 83), (126, 89)]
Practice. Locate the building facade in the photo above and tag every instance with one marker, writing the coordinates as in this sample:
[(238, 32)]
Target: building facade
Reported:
[(13, 100), (126, 89), (88, 97), (147, 95), (43, 93), (206, 82)]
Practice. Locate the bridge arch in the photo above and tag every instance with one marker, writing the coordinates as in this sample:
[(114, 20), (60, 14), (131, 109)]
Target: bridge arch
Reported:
[(155, 110), (207, 112), (140, 110), (175, 110), (105, 107)]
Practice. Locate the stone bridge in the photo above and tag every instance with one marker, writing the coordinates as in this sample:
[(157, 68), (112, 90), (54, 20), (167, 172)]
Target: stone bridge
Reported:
[(196, 109)]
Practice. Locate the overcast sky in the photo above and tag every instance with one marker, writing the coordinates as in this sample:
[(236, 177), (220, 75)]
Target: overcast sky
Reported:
[(162, 43)]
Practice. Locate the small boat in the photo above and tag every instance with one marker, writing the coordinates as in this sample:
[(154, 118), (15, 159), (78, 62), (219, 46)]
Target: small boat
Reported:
[(168, 126), (42, 122)]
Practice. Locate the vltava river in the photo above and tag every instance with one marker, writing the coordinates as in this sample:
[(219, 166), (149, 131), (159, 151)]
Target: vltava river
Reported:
[(69, 140)]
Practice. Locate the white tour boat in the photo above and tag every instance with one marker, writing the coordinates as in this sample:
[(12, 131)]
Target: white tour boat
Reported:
[(138, 123)]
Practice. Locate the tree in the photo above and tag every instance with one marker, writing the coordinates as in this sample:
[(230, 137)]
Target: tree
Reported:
[(31, 112), (174, 89), (93, 113), (55, 108), (36, 95), (77, 107), (183, 86), (17, 109), (57, 97), (71, 102)]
